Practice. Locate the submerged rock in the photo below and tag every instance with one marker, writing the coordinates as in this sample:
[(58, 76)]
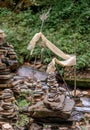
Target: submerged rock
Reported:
[(83, 109)]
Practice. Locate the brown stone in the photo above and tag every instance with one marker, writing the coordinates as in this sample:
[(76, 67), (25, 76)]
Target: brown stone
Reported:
[(12, 57), (68, 105), (2, 66), (55, 105), (5, 81), (6, 76), (6, 85), (5, 72), (40, 111), (3, 51), (11, 52), (7, 126), (35, 126)]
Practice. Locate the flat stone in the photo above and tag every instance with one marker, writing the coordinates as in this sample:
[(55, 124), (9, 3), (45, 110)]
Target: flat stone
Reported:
[(7, 106), (35, 126), (6, 86), (69, 105), (11, 52), (12, 57), (85, 101), (76, 116), (7, 126), (39, 111), (6, 113), (4, 95), (14, 83), (2, 66), (83, 109), (9, 99), (6, 48), (5, 72), (3, 51), (5, 76), (5, 81), (55, 105)]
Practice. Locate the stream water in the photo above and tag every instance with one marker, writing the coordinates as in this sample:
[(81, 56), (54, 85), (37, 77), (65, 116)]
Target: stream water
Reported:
[(26, 71)]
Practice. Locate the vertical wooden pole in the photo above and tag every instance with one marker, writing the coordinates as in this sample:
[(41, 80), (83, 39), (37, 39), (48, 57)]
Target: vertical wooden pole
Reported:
[(75, 86)]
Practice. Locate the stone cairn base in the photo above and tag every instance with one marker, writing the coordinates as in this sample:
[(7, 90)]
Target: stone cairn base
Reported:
[(49, 104)]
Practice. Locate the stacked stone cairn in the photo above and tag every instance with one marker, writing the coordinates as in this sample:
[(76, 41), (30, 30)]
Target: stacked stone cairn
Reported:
[(8, 109), (50, 106), (38, 93), (33, 88), (23, 84)]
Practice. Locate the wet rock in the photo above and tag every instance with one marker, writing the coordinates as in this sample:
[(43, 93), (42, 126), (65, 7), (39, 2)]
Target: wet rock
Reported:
[(76, 116), (85, 101), (83, 109), (68, 105), (28, 71), (8, 110)]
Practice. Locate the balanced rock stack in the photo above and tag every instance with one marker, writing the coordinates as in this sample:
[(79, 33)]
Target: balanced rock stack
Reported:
[(5, 76), (8, 109), (55, 98), (7, 54), (32, 87), (53, 107), (8, 62), (37, 94), (23, 84)]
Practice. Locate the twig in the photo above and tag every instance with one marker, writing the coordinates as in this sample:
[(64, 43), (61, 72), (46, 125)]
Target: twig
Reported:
[(34, 67), (63, 81), (43, 17)]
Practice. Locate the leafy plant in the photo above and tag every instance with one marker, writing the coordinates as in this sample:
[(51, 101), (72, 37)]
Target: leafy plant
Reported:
[(66, 18)]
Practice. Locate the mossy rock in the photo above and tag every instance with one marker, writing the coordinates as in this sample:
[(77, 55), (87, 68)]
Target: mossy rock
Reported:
[(84, 83)]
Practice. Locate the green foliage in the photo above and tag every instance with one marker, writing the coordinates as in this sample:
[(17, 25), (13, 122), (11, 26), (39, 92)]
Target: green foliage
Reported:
[(22, 103), (67, 26), (22, 120)]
